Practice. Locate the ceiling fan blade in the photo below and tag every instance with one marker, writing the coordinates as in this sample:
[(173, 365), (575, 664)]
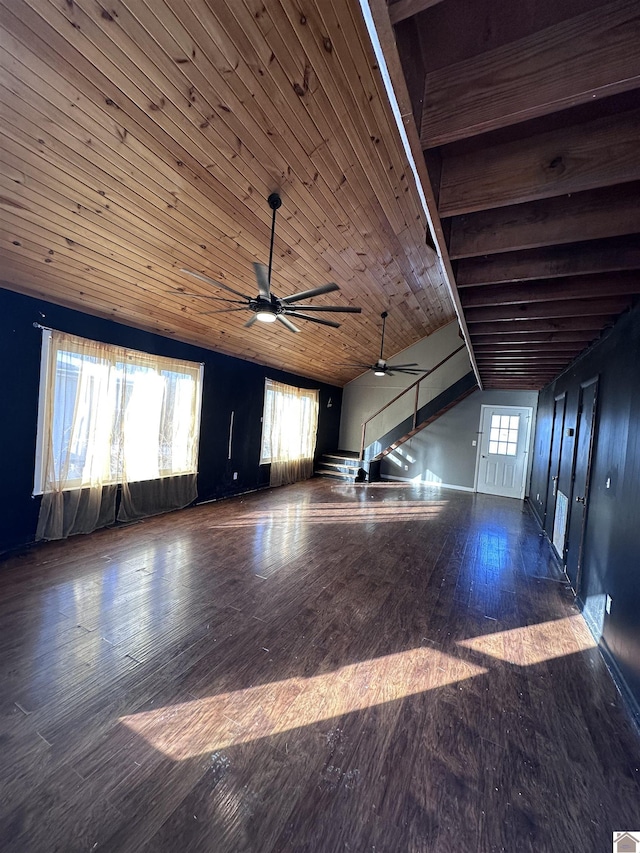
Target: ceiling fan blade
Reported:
[(331, 323), (250, 322), (308, 294), (262, 277), (398, 366), (215, 283), (347, 309), (287, 323)]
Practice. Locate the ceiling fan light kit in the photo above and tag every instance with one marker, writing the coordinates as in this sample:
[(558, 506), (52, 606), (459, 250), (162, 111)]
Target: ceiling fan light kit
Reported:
[(266, 306)]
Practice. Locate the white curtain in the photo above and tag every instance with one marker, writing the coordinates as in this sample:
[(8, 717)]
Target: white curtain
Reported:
[(112, 416), (289, 427)]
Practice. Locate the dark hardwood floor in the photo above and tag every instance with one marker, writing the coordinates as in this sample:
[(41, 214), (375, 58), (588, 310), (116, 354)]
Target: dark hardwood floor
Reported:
[(314, 668)]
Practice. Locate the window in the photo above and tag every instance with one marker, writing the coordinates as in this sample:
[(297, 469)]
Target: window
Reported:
[(503, 438), (109, 414), (289, 425)]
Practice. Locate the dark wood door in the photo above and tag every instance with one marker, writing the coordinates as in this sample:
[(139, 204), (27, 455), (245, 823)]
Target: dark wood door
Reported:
[(579, 500), (555, 458)]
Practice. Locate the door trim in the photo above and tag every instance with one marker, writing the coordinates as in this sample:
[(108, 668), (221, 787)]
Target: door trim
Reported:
[(595, 380), (556, 400), (525, 472)]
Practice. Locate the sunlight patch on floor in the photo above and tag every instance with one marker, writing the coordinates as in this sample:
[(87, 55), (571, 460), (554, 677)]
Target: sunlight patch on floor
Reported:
[(337, 513), (216, 722), (533, 644)]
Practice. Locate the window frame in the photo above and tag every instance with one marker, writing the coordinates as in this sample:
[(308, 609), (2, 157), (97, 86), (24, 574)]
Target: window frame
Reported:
[(310, 393), (139, 358)]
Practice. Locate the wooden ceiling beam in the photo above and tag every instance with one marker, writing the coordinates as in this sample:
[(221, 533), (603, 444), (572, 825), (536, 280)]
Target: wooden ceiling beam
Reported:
[(512, 361), (566, 160), (536, 329), (540, 380), (515, 350), (403, 9), (573, 287), (547, 310), (617, 253), (532, 372), (517, 385), (494, 343), (596, 51), (512, 358), (522, 371), (593, 215)]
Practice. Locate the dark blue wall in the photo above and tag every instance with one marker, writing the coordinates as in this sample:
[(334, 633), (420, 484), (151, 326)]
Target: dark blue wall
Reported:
[(612, 543), (230, 384)]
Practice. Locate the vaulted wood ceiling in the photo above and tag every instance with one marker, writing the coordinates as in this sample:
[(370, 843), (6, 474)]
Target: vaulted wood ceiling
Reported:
[(138, 138), (141, 137), (528, 115)]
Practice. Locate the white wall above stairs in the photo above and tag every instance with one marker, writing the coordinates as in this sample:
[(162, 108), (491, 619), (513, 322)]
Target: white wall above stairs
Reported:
[(367, 393)]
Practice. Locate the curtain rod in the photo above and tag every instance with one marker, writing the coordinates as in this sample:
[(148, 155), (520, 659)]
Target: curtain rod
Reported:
[(49, 329)]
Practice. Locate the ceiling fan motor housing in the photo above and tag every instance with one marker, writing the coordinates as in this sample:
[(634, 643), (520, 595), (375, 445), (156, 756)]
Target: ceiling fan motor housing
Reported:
[(267, 307), (272, 306)]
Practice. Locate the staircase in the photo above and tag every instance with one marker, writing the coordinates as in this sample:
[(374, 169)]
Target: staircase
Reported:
[(429, 413), (425, 423), (342, 465)]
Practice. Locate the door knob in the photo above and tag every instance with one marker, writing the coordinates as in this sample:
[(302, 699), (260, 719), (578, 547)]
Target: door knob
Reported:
[(581, 500)]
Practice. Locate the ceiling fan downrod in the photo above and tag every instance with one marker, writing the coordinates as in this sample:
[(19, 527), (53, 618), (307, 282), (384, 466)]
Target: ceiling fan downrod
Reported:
[(274, 201), (384, 316)]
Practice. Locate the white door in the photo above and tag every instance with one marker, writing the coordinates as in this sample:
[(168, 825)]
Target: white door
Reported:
[(504, 450)]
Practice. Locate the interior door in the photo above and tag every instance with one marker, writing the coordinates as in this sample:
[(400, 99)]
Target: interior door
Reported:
[(581, 472), (504, 449), (555, 458)]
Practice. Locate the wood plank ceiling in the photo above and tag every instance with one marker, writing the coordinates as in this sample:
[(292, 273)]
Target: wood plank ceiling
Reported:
[(529, 118), (138, 138)]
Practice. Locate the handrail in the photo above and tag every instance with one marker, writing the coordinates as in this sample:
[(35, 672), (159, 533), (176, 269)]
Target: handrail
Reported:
[(415, 385)]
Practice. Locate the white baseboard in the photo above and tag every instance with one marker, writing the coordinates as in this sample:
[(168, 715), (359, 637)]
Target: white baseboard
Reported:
[(428, 483)]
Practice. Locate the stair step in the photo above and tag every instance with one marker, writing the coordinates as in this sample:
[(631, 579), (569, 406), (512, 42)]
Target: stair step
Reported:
[(336, 475), (342, 465), (338, 466)]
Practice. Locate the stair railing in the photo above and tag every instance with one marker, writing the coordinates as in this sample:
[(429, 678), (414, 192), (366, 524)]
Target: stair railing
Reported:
[(413, 385)]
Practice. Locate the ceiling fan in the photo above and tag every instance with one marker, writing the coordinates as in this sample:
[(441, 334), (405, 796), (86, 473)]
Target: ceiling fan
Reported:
[(381, 368), (266, 306)]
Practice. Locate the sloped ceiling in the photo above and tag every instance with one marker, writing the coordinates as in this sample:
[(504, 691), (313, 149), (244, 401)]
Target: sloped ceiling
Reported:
[(138, 138), (528, 117)]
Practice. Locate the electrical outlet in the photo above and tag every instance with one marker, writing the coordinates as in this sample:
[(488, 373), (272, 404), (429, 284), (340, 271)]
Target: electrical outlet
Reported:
[(474, 443), (235, 475), (607, 606)]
